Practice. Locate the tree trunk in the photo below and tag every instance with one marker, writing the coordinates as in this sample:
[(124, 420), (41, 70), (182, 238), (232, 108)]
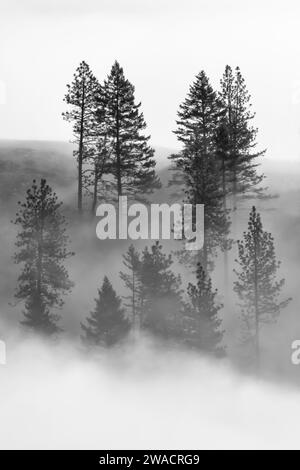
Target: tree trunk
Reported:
[(95, 192), (205, 256), (226, 273), (257, 343), (79, 195), (118, 150), (80, 151), (135, 319), (226, 265), (234, 203), (39, 266)]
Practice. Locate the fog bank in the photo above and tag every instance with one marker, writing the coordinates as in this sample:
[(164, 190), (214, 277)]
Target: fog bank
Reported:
[(55, 396)]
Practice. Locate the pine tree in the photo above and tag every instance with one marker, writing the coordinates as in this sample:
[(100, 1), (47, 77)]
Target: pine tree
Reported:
[(160, 294), (81, 97), (199, 117), (133, 163), (42, 249), (202, 330), (106, 325), (257, 287), (131, 279), (241, 136)]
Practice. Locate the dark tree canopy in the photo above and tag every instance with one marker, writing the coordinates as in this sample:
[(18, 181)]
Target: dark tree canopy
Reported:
[(199, 118), (132, 158), (160, 293), (242, 158), (199, 115), (106, 325)]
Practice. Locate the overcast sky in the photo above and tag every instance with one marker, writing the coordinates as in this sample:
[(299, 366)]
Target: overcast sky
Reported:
[(161, 44)]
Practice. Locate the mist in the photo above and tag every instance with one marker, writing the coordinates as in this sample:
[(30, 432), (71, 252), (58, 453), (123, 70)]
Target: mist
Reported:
[(141, 396), (23, 161)]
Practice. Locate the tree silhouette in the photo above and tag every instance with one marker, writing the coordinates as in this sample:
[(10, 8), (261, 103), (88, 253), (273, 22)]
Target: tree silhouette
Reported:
[(133, 163), (42, 249), (257, 287), (81, 97), (241, 161), (160, 294), (199, 117), (202, 323), (106, 324)]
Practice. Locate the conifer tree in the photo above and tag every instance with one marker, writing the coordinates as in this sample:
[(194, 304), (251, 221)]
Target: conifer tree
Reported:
[(42, 249), (241, 163), (202, 330), (132, 157), (160, 294), (106, 325), (257, 286), (199, 117), (131, 279), (81, 97)]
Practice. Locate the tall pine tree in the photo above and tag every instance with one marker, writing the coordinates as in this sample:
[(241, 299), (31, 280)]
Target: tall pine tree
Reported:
[(199, 117), (42, 249), (133, 163), (242, 158), (81, 97), (106, 325), (257, 286)]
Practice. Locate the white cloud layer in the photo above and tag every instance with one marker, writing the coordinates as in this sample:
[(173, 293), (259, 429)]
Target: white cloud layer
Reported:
[(57, 398)]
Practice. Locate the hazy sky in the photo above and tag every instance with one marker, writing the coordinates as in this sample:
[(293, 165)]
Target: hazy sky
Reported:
[(161, 44)]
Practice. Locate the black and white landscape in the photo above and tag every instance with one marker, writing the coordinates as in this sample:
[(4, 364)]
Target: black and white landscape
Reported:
[(144, 344)]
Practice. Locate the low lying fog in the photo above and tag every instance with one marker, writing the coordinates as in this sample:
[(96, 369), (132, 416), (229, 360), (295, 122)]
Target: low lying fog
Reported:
[(142, 396)]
